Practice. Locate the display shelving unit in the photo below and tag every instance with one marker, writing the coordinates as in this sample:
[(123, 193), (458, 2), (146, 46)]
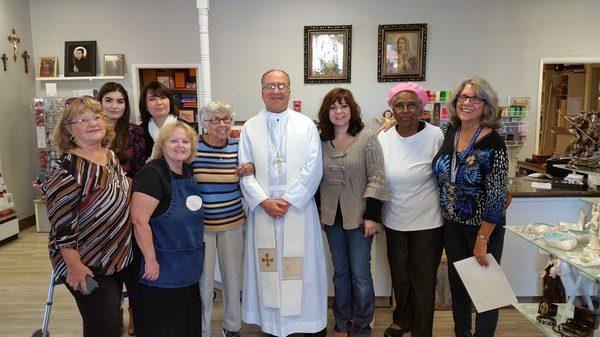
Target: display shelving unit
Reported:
[(80, 78), (9, 224)]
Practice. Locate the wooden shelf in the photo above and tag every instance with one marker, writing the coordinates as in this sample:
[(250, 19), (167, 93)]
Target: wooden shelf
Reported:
[(79, 78)]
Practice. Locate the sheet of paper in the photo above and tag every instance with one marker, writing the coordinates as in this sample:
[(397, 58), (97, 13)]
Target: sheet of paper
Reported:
[(488, 287), (40, 132), (85, 92), (50, 89)]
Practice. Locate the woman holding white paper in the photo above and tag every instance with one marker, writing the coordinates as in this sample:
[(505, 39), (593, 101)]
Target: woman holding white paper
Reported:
[(471, 168)]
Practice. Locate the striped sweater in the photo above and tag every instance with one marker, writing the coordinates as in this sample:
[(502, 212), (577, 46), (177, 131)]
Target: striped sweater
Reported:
[(214, 169), (88, 207)]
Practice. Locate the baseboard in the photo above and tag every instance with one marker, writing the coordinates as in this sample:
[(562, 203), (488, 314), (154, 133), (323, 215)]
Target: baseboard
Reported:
[(26, 223)]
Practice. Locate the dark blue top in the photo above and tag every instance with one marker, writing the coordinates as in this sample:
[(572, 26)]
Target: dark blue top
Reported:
[(479, 192)]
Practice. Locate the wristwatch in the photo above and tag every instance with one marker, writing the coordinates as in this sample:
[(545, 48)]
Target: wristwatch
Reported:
[(483, 237)]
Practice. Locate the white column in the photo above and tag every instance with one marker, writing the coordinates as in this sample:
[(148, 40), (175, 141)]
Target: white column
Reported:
[(204, 75)]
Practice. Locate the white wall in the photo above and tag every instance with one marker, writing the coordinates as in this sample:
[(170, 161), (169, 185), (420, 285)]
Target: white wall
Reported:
[(16, 119), (146, 31), (500, 40)]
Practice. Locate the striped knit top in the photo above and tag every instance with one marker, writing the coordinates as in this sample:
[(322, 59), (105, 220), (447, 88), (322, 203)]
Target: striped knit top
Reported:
[(215, 171), (88, 208)]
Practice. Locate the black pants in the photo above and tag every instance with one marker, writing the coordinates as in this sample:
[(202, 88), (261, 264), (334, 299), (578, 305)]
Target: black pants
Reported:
[(414, 258), (459, 240), (101, 310), (168, 312)]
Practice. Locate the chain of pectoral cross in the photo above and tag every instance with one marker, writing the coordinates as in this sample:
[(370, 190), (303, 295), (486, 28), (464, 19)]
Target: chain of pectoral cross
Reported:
[(278, 161)]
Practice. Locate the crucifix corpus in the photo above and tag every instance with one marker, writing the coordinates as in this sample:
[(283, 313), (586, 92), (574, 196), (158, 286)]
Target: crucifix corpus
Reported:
[(26, 57), (14, 39), (4, 59)]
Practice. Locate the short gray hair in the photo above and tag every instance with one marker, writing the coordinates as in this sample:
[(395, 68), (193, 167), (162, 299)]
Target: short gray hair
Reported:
[(262, 79), (214, 107), (491, 110)]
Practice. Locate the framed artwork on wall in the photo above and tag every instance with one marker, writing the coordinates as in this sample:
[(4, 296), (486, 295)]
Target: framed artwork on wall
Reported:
[(80, 58), (114, 64), (327, 53), (47, 66), (402, 51)]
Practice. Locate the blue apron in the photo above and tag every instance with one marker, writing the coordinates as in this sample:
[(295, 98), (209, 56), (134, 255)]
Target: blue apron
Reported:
[(178, 236)]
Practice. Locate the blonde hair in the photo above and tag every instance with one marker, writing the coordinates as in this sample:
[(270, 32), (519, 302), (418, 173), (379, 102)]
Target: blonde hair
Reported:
[(491, 110), (77, 106), (166, 131)]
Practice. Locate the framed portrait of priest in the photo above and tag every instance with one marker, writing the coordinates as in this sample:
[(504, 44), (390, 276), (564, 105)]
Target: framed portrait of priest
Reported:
[(327, 53), (80, 58), (402, 52)]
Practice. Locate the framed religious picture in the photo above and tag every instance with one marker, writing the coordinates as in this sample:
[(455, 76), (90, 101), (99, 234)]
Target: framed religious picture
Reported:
[(327, 51), (401, 55), (47, 66), (80, 58), (114, 64)]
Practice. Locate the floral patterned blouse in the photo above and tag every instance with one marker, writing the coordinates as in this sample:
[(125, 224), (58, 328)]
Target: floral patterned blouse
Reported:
[(134, 155), (479, 191)]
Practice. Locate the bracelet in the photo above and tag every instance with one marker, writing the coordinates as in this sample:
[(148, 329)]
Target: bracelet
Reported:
[(483, 237)]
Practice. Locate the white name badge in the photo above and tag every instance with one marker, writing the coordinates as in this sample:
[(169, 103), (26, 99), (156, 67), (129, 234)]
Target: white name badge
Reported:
[(193, 202)]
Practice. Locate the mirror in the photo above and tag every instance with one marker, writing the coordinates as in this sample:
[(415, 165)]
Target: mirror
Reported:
[(567, 86)]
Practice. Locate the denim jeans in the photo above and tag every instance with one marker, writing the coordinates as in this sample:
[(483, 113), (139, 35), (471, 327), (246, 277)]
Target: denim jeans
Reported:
[(354, 303), (459, 241)]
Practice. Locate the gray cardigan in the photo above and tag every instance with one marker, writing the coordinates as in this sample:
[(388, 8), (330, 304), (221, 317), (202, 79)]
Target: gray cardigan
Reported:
[(349, 177)]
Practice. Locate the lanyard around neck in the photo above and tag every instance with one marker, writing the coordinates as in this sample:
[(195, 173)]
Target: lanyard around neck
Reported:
[(455, 159)]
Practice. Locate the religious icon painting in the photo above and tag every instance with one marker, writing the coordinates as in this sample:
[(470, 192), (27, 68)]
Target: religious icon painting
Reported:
[(402, 52), (327, 53), (47, 66), (114, 64), (80, 58)]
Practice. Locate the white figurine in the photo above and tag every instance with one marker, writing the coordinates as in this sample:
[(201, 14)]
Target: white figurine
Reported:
[(594, 225)]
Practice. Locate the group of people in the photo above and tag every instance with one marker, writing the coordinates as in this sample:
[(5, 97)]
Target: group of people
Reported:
[(266, 198)]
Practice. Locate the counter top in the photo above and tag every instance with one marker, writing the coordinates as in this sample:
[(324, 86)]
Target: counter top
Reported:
[(521, 188)]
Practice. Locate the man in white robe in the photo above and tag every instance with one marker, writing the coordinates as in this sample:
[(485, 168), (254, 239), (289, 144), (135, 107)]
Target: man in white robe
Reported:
[(285, 278)]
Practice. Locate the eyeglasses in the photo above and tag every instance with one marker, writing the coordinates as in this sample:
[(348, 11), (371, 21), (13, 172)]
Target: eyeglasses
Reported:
[(474, 99), (218, 120), (272, 86), (401, 106), (87, 121)]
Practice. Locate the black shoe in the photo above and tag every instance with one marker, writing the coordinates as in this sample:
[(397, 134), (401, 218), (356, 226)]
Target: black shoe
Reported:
[(321, 333), (227, 333), (391, 332)]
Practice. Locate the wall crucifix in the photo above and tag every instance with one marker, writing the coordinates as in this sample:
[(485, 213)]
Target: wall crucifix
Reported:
[(4, 59), (14, 39), (26, 57)]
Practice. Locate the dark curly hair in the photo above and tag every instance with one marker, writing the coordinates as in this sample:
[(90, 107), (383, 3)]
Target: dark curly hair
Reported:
[(339, 95)]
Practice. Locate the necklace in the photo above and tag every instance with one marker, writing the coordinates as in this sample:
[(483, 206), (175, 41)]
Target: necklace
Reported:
[(455, 158), (278, 161), (212, 149)]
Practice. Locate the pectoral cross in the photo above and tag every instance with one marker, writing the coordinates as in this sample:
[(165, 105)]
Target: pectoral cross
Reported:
[(278, 161), (13, 39), (4, 59), (26, 57), (267, 260)]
